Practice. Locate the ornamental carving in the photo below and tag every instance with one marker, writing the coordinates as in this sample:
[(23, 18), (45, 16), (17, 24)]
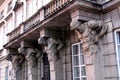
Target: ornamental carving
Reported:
[(31, 55), (51, 47), (89, 33), (17, 60)]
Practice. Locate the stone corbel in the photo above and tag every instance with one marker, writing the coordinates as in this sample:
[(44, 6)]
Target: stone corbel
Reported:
[(51, 44), (89, 33)]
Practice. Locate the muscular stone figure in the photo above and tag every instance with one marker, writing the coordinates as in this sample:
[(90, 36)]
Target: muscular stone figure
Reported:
[(89, 33), (52, 46), (16, 60)]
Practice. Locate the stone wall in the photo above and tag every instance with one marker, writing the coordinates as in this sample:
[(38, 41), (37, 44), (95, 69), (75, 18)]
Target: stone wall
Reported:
[(112, 19)]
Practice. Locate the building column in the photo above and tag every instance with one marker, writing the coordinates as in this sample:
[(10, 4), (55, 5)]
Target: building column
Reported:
[(90, 32), (52, 45), (31, 55), (16, 60)]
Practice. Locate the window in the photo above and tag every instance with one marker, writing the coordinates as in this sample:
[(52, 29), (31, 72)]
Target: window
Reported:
[(46, 2), (117, 40), (1, 35), (6, 73), (29, 9), (9, 25), (9, 7), (1, 14), (78, 64), (39, 4), (34, 5), (18, 18)]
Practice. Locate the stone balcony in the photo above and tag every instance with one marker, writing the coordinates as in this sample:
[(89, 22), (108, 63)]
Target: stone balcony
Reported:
[(38, 17), (55, 14)]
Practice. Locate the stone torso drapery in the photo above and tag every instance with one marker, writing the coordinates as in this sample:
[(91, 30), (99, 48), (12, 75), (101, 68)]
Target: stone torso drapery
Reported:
[(51, 47), (31, 54), (89, 33), (16, 60)]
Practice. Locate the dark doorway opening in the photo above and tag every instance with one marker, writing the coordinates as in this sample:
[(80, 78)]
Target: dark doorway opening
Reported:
[(46, 67)]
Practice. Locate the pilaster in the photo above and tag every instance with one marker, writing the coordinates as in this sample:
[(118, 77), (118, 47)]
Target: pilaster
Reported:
[(16, 60), (31, 55), (90, 31), (52, 44)]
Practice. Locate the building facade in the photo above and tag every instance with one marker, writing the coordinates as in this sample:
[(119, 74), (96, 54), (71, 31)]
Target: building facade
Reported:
[(61, 39), (6, 70)]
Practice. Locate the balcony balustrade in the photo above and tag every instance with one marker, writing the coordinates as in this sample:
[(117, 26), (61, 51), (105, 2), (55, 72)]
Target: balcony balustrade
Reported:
[(15, 33), (32, 21), (54, 6), (49, 9)]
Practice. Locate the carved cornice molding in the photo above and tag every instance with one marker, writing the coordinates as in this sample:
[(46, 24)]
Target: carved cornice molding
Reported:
[(89, 33)]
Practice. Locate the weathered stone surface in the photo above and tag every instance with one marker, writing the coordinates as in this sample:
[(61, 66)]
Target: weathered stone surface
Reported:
[(107, 17), (115, 18), (90, 72), (68, 76), (109, 48), (110, 26), (16, 60), (68, 59), (68, 67), (110, 60), (111, 71), (108, 38), (89, 33), (51, 45)]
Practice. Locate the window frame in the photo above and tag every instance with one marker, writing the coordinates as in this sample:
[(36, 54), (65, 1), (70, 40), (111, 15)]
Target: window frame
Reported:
[(116, 48), (80, 65)]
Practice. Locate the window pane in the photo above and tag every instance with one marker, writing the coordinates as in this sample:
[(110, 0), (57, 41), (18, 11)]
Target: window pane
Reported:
[(76, 78), (83, 71), (81, 49), (75, 49), (6, 73), (76, 72), (82, 59), (83, 79), (119, 51), (118, 37), (76, 60)]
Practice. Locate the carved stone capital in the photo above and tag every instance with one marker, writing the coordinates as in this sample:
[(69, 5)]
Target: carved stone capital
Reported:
[(89, 33)]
